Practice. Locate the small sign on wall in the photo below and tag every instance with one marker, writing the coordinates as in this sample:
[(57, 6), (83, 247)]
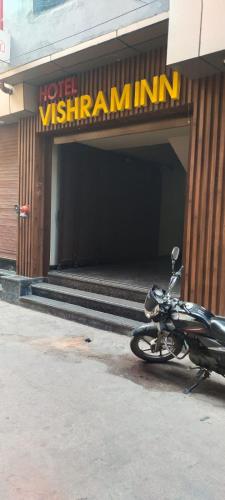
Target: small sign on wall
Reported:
[(5, 42)]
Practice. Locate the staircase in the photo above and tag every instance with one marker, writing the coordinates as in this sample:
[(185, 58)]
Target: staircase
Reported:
[(92, 301)]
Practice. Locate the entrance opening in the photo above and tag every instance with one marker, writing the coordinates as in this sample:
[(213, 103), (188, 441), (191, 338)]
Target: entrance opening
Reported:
[(121, 201)]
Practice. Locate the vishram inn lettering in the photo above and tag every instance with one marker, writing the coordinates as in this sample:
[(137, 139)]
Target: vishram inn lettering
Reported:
[(69, 107)]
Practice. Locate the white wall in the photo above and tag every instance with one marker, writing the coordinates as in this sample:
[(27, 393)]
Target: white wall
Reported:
[(75, 21), (196, 28), (54, 207), (212, 27), (184, 30), (172, 208), (180, 145)]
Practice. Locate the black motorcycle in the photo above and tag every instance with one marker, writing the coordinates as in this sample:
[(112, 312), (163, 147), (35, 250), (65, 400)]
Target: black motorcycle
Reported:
[(180, 328)]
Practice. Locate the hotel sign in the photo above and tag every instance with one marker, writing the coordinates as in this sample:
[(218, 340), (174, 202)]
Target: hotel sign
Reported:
[(60, 102)]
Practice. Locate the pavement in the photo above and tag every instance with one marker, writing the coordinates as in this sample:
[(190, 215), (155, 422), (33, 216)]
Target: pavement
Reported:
[(89, 421)]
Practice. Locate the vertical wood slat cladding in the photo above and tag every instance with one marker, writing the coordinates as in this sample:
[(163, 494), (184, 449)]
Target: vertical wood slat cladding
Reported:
[(204, 231), (144, 65), (204, 238), (9, 174), (34, 173)]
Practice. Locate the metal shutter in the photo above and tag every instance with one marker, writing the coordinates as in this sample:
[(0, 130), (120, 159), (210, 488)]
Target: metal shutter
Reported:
[(9, 172)]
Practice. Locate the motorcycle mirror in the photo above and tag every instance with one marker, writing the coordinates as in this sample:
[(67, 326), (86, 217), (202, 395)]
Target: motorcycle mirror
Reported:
[(175, 254)]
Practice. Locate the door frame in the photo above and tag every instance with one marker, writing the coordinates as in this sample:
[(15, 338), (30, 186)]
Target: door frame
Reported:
[(84, 138)]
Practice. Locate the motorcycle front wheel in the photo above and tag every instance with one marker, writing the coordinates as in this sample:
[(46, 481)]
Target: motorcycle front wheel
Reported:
[(145, 346)]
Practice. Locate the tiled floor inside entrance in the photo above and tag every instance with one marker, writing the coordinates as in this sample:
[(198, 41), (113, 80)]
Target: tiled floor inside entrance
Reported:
[(137, 274)]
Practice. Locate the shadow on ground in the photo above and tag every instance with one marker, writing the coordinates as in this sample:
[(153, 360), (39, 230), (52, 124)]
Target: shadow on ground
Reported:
[(170, 377)]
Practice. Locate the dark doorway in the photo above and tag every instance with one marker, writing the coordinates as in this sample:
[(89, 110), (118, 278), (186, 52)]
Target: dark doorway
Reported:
[(119, 206), (109, 207)]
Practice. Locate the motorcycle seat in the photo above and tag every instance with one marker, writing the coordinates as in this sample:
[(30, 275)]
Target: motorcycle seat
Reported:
[(218, 327)]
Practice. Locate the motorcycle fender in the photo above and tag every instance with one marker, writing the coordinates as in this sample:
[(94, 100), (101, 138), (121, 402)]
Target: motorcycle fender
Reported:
[(149, 327)]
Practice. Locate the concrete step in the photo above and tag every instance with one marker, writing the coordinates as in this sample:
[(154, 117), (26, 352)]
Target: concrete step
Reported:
[(5, 272), (97, 285), (96, 319), (97, 302)]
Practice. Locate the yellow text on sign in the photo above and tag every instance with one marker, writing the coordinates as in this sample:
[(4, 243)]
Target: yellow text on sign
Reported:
[(136, 95)]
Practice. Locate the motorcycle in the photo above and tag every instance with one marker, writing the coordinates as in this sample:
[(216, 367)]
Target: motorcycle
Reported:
[(177, 329)]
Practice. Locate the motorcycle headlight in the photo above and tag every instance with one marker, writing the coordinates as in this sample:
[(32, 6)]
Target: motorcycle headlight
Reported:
[(154, 312)]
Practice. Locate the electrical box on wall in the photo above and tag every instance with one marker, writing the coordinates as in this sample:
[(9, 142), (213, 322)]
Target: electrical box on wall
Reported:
[(5, 44)]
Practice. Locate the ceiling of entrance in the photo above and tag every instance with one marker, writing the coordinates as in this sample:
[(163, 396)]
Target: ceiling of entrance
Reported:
[(137, 142), (159, 154), (137, 139)]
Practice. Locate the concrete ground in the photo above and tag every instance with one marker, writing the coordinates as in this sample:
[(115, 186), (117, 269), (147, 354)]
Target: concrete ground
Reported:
[(89, 421)]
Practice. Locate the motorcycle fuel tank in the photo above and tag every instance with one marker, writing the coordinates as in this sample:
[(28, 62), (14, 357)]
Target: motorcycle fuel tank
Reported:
[(192, 318)]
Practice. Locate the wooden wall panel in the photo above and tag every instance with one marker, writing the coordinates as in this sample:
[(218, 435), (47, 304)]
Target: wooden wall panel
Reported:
[(204, 238), (204, 232), (117, 74), (34, 190), (9, 174)]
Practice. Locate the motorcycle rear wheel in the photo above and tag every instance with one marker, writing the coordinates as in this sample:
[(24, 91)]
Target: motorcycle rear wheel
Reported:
[(143, 347)]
